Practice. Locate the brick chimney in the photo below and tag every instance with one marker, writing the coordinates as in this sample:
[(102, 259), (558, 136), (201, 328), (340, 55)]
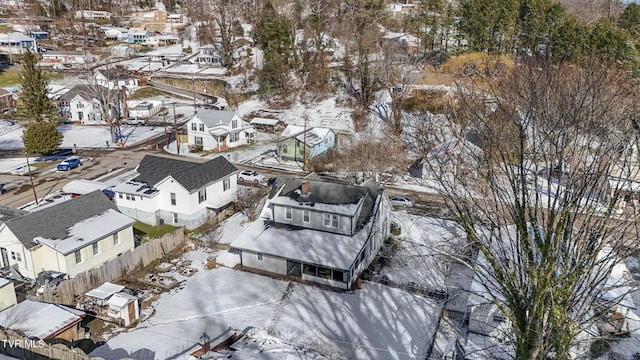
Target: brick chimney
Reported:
[(304, 188)]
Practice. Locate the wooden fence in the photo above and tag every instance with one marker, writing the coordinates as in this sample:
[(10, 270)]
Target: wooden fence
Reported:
[(21, 347), (69, 291)]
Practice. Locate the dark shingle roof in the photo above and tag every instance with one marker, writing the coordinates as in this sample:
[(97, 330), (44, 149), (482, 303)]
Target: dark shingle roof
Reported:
[(87, 92), (8, 213), (191, 175), (52, 222)]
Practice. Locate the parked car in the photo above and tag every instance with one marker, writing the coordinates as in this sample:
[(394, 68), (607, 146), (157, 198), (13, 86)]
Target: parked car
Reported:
[(250, 176), (69, 163), (401, 200)]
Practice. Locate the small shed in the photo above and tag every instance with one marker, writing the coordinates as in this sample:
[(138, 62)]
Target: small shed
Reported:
[(264, 124), (100, 295), (124, 307)]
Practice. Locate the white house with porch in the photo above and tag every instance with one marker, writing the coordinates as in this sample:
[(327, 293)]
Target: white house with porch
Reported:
[(218, 130), (178, 192), (318, 231)]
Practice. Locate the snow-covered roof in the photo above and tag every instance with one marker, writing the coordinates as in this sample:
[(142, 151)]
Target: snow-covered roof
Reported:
[(264, 121), (314, 135), (15, 37), (121, 299), (342, 209), (310, 246), (88, 231), (39, 320), (82, 186), (136, 188), (104, 291)]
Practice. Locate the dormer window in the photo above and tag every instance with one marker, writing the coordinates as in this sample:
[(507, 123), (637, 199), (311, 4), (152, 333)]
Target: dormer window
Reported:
[(287, 213)]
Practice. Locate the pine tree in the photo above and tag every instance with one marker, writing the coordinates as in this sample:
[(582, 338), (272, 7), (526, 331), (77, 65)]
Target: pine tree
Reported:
[(41, 138), (34, 105)]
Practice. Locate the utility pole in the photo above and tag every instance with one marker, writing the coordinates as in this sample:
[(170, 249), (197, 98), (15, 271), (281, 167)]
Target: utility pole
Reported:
[(35, 196), (193, 88), (175, 128), (164, 118), (304, 146)]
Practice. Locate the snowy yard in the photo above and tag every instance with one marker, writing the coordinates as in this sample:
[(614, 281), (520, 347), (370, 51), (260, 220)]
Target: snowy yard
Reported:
[(375, 322), (420, 255)]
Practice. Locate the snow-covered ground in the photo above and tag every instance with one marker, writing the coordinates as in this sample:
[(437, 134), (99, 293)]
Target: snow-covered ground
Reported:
[(373, 323), (421, 255)]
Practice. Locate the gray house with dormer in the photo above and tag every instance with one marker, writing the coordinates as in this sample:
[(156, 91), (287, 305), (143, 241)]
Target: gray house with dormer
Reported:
[(219, 130), (318, 231)]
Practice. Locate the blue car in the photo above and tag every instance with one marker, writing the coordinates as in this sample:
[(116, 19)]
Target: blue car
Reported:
[(69, 163)]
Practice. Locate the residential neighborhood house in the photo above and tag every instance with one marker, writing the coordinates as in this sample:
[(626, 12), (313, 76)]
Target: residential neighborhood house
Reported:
[(82, 104), (116, 79), (317, 231), (43, 321), (218, 130), (66, 57), (93, 14), (298, 143), (178, 192), (209, 56), (17, 43), (69, 237)]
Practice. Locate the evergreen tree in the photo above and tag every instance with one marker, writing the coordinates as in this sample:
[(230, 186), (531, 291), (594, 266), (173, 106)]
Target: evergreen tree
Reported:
[(41, 138), (34, 105), (275, 35), (488, 25), (630, 19)]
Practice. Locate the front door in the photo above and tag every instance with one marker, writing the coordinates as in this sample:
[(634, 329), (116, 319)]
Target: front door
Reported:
[(5, 258), (294, 269)]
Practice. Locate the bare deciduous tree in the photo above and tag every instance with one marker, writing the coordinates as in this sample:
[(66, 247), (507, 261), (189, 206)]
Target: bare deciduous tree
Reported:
[(544, 201)]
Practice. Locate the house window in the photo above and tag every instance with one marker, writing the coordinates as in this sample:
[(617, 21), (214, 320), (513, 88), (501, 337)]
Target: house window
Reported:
[(198, 140), (226, 184), (284, 148), (79, 105), (234, 124), (175, 218), (116, 240), (287, 213), (309, 270), (338, 276), (260, 257), (234, 137), (194, 126), (96, 106), (95, 248), (331, 220), (202, 127), (78, 256), (120, 195), (202, 195), (173, 198), (16, 256), (306, 215), (324, 272), (80, 116)]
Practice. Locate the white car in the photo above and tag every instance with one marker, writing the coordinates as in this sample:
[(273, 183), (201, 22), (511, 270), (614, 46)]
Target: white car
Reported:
[(250, 176), (401, 200)]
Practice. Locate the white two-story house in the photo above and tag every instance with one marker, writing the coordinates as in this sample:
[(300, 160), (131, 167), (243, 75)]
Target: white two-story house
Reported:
[(218, 130), (178, 192), (317, 231), (70, 237), (82, 104), (115, 80)]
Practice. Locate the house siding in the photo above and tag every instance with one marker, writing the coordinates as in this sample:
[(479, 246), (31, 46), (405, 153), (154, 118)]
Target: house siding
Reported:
[(316, 220), (7, 296), (269, 263), (324, 146), (107, 251)]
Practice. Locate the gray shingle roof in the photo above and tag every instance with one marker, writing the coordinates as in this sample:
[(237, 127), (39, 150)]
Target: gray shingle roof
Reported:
[(87, 92), (213, 118), (191, 175), (8, 213), (52, 222)]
